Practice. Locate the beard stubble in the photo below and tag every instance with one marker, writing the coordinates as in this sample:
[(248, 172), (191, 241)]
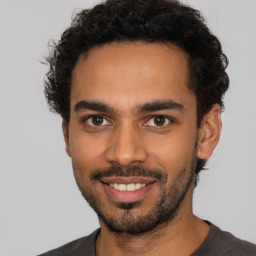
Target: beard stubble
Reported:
[(163, 210)]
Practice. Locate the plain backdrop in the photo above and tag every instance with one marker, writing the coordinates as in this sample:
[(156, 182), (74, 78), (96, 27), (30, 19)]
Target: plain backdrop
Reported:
[(41, 207)]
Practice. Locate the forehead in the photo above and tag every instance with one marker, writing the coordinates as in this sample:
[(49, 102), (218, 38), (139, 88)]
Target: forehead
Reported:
[(126, 74)]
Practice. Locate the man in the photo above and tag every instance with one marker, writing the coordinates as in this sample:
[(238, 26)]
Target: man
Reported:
[(139, 85)]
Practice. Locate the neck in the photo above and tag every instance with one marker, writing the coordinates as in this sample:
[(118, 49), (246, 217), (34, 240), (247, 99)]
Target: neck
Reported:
[(181, 236)]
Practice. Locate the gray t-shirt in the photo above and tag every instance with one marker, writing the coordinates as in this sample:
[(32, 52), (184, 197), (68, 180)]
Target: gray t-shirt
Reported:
[(217, 243)]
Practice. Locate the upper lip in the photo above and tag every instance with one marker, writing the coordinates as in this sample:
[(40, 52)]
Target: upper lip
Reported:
[(128, 180)]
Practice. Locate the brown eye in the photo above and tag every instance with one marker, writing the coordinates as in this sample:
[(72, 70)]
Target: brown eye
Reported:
[(159, 120), (97, 121)]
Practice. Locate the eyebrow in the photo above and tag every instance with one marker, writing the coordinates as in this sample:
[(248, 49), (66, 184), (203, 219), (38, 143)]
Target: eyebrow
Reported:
[(160, 105), (147, 107), (95, 106)]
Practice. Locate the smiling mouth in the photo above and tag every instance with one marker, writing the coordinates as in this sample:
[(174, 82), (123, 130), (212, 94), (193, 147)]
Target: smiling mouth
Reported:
[(127, 189)]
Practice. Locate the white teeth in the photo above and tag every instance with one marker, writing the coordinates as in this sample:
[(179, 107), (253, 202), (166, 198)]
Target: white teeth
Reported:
[(122, 187), (127, 187), (130, 187), (138, 185)]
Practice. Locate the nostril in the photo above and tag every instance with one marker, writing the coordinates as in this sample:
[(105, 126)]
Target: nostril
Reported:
[(125, 159)]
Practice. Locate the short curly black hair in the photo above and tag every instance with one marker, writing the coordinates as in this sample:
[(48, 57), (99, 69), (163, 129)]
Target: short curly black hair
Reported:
[(166, 21)]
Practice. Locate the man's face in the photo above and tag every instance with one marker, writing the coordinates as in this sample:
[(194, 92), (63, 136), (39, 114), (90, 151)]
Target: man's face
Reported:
[(132, 133)]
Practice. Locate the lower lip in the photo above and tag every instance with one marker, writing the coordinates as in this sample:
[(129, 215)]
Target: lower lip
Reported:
[(127, 196)]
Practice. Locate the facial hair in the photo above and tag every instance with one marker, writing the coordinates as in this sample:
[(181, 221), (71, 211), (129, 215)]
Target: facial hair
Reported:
[(163, 209)]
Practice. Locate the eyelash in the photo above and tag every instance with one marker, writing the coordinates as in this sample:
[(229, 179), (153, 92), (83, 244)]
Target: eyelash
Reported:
[(94, 116), (167, 118)]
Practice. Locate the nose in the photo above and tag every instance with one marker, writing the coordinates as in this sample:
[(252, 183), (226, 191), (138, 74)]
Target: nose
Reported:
[(126, 147)]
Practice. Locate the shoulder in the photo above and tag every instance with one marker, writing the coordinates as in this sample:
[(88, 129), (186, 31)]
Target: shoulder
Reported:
[(222, 243), (84, 246), (235, 246)]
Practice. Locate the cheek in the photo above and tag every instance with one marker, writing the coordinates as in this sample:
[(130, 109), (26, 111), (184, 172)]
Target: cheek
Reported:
[(173, 151), (86, 154)]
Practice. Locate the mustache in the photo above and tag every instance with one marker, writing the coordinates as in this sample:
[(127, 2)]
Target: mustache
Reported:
[(129, 171)]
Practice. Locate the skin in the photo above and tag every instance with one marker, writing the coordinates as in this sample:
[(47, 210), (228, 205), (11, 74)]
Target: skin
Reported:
[(125, 76)]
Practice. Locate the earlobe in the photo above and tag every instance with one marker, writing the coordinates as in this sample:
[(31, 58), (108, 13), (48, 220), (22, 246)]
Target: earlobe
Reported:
[(209, 132), (66, 137)]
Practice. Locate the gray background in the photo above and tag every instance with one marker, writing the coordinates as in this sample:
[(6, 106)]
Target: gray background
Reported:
[(41, 208)]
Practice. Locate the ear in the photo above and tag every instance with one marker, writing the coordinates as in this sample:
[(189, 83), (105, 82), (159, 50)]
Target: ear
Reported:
[(209, 132), (66, 137)]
